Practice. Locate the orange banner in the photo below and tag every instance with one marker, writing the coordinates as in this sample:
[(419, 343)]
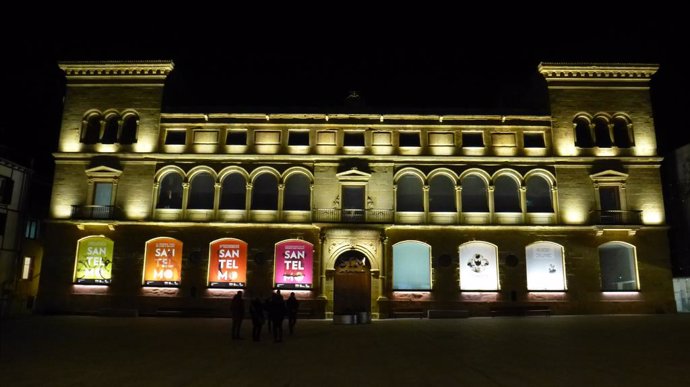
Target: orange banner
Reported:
[(163, 262), (227, 263)]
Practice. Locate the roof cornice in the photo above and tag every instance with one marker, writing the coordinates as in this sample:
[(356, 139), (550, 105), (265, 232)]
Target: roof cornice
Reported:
[(621, 72), (116, 71)]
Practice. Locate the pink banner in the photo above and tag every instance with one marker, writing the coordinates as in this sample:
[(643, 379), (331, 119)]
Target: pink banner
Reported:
[(293, 264)]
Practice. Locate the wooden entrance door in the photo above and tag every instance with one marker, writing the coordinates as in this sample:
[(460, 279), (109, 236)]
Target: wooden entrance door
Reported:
[(352, 287)]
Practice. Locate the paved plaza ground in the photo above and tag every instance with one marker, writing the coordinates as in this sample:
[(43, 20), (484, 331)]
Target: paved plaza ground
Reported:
[(502, 351)]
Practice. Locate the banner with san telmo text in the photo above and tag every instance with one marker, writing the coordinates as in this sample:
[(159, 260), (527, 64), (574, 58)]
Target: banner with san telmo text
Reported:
[(94, 260), (293, 264), (163, 262), (227, 263)]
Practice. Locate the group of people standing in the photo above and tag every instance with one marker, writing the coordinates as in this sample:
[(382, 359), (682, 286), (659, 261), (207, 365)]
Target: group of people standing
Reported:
[(274, 307)]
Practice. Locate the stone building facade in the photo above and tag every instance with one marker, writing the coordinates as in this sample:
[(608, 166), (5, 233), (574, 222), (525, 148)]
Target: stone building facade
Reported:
[(388, 215)]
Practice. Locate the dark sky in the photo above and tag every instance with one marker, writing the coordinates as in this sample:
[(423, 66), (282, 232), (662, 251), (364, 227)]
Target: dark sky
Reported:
[(442, 65)]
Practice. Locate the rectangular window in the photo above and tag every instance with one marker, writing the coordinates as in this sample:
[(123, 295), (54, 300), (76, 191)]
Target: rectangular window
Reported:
[(473, 139), (409, 139), (298, 138), (6, 186), (175, 137), (534, 140), (353, 139), (3, 220), (32, 228), (236, 138), (27, 271)]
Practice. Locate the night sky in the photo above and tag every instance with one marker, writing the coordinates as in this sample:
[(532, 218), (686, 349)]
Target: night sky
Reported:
[(465, 66)]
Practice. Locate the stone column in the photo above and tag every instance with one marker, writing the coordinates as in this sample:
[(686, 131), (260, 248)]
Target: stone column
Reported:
[(425, 193), (248, 203), (383, 267), (491, 203), (216, 199), (322, 266), (185, 198), (523, 202), (281, 195), (458, 202)]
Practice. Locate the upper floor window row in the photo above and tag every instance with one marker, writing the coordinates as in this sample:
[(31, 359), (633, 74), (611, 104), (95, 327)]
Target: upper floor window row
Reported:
[(603, 131), (441, 141), (110, 127)]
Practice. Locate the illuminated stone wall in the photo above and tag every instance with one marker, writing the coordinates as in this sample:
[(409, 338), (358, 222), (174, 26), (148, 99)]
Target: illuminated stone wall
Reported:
[(503, 148)]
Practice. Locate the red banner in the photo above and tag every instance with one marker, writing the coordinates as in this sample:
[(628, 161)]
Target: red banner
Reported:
[(163, 262)]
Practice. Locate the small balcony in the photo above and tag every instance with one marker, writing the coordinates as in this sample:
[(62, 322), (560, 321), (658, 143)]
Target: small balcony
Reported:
[(615, 217), (95, 212), (332, 215)]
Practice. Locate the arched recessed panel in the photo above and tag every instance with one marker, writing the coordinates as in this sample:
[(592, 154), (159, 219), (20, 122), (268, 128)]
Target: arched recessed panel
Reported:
[(622, 135), (602, 135), (442, 194), (265, 192), (538, 195), (92, 129), (170, 191), (297, 196), (409, 194), (506, 195), (129, 129), (112, 123), (618, 264), (233, 192), (478, 266), (545, 266), (474, 194), (201, 192), (583, 133), (411, 266)]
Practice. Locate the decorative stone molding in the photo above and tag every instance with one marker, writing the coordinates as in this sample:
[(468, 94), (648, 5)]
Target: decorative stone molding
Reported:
[(117, 70), (588, 71)]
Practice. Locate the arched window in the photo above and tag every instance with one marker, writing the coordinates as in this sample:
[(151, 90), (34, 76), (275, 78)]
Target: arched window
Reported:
[(265, 192), (201, 192), (411, 266), (538, 195), (545, 266), (92, 129), (602, 133), (112, 124), (170, 191), (618, 266), (478, 266), (129, 129), (297, 193), (622, 136), (233, 192), (409, 194), (441, 194), (474, 194), (506, 195), (583, 133)]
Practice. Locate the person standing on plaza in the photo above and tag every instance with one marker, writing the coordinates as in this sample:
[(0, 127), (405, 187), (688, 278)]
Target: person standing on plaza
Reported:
[(292, 307), (267, 310), (277, 313), (256, 311), (237, 314)]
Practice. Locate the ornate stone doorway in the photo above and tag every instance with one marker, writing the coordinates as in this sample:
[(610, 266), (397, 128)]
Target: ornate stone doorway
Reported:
[(352, 283)]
